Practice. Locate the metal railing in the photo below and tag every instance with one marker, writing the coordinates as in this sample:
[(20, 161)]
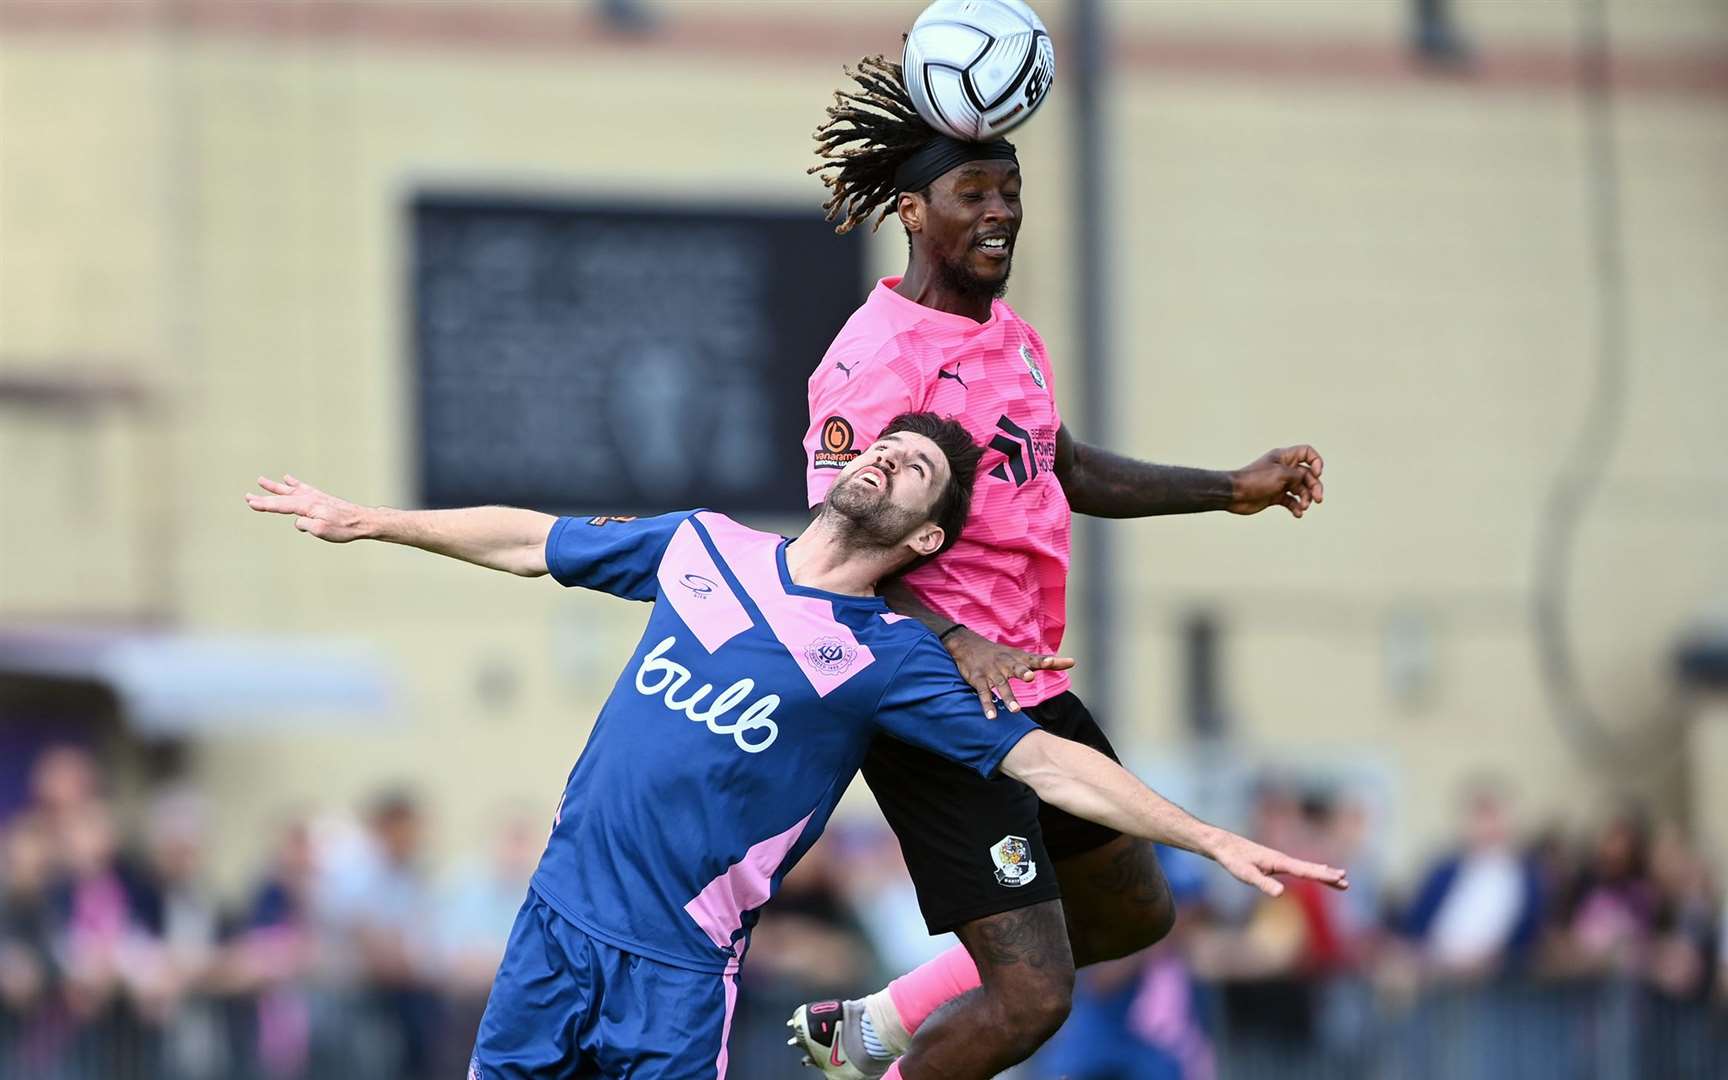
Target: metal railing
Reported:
[(292, 1034), (1337, 1030), (1572, 1030)]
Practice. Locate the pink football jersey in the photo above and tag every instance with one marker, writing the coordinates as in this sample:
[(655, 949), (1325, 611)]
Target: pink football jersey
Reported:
[(1007, 577)]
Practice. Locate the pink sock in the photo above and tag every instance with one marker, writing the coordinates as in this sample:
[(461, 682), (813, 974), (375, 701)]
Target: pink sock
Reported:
[(924, 989), (893, 1072)]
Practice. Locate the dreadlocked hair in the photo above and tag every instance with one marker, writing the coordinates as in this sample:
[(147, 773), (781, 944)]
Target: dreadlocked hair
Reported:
[(872, 128)]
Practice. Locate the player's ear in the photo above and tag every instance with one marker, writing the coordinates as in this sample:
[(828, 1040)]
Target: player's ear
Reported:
[(911, 210), (928, 539)]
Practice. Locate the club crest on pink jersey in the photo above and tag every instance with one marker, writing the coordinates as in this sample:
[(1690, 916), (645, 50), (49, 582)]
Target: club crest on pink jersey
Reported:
[(1032, 365)]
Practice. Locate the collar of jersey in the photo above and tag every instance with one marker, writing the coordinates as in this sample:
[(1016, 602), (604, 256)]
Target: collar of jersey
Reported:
[(792, 588), (914, 310)]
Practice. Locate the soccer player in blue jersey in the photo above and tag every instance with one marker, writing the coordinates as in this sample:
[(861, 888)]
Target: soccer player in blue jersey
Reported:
[(766, 668)]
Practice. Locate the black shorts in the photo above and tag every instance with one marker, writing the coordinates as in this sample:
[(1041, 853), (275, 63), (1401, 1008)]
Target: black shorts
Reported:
[(979, 847)]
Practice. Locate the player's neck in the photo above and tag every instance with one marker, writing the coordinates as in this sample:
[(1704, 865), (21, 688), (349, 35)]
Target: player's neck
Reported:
[(825, 557), (921, 284)]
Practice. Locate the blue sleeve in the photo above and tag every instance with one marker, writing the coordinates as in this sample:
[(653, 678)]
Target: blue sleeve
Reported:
[(611, 554), (928, 705)]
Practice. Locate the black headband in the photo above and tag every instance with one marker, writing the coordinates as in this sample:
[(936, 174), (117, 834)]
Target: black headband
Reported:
[(943, 153)]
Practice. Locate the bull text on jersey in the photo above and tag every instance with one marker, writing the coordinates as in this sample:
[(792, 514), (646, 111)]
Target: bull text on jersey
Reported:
[(661, 675)]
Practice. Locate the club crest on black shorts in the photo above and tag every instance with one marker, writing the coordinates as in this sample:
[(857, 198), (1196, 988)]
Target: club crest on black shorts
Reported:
[(1013, 859)]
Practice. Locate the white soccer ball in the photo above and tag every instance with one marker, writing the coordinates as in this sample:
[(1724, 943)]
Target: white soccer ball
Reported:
[(976, 69)]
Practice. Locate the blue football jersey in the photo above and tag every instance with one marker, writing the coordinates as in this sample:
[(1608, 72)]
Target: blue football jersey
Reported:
[(737, 725)]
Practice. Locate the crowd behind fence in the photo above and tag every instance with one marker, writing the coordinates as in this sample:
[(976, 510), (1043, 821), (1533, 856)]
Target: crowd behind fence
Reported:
[(1560, 957)]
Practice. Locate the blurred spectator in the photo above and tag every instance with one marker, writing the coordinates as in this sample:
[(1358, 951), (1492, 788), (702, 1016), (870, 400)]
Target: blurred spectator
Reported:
[(1614, 915), (64, 780), (284, 898), (879, 889), (33, 1025), (1141, 1016), (1478, 909), (1330, 933), (114, 993), (64, 785), (481, 905), (1277, 971), (1351, 845), (28, 972), (275, 955), (172, 901), (1554, 859), (101, 943), (385, 911), (176, 931), (1300, 932), (1681, 954), (474, 925)]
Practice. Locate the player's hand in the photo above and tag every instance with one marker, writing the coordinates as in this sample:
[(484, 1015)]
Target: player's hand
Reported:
[(1287, 477), (991, 669), (1254, 864), (315, 512)]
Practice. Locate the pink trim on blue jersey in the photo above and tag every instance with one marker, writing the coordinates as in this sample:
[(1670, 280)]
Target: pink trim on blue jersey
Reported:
[(826, 650), (694, 586), (719, 908)]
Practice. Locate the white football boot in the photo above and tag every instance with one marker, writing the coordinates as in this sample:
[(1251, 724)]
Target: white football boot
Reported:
[(831, 1035)]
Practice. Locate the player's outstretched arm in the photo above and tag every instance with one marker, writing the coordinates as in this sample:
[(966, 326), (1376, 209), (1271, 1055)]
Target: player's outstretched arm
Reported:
[(1087, 784), (496, 537), (1103, 484)]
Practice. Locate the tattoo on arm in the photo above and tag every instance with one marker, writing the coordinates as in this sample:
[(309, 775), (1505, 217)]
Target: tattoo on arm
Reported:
[(1035, 936), (1103, 484)]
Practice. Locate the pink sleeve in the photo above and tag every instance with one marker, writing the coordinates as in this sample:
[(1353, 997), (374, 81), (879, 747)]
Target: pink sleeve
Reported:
[(849, 407)]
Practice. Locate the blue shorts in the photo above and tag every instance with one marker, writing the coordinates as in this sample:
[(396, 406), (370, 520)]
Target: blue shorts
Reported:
[(566, 1006)]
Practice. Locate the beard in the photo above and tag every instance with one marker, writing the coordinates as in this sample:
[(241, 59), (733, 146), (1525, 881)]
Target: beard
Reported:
[(870, 516), (958, 277)]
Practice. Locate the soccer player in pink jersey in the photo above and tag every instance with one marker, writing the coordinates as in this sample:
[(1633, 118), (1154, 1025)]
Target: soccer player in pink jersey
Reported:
[(1030, 890)]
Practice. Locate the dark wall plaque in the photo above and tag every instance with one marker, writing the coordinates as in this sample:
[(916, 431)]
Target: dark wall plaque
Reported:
[(579, 357)]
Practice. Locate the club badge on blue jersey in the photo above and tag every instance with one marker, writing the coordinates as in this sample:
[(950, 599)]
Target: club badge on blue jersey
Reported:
[(830, 655)]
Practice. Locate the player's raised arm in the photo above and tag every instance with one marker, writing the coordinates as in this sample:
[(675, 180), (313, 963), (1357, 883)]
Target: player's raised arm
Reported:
[(496, 537), (1103, 484), (1087, 784)]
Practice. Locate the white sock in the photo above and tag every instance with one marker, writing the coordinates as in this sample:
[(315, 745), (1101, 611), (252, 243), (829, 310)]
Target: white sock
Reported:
[(882, 1026), (872, 1044)]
